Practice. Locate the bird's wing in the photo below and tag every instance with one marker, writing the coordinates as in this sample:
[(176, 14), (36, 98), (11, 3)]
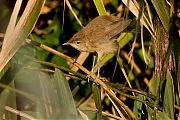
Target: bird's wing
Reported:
[(104, 28)]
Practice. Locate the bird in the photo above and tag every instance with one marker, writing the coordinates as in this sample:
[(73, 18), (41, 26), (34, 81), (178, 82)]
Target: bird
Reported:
[(99, 36)]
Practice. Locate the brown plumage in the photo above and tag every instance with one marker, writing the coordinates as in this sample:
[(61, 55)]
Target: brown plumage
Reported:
[(99, 36)]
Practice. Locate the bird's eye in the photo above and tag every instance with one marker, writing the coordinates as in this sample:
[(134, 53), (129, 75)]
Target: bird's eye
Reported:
[(78, 42)]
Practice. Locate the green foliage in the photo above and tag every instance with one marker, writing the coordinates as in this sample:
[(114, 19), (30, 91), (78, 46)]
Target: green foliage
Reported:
[(35, 81), (48, 94)]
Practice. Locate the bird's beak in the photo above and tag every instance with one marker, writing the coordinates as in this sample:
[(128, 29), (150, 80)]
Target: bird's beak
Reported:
[(66, 43)]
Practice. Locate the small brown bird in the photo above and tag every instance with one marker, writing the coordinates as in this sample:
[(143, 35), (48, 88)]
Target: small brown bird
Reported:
[(99, 36)]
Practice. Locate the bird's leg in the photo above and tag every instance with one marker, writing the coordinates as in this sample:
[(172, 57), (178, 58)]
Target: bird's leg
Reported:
[(92, 70), (94, 60), (99, 66), (100, 56)]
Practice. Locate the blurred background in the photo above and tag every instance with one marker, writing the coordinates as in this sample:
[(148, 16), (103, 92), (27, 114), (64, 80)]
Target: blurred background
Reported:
[(56, 25)]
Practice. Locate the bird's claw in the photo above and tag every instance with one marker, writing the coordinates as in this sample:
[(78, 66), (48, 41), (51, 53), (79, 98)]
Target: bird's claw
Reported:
[(89, 76)]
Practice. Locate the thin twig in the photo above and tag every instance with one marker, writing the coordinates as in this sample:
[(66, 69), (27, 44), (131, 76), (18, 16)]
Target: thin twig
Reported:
[(17, 112)]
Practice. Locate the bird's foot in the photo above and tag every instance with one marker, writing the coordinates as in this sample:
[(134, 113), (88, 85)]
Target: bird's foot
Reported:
[(93, 76), (89, 76)]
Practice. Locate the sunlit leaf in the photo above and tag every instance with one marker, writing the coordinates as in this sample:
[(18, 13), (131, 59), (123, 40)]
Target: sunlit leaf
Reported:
[(100, 7), (23, 29), (162, 10)]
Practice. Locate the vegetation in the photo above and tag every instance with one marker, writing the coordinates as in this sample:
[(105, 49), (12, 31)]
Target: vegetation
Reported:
[(41, 79)]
